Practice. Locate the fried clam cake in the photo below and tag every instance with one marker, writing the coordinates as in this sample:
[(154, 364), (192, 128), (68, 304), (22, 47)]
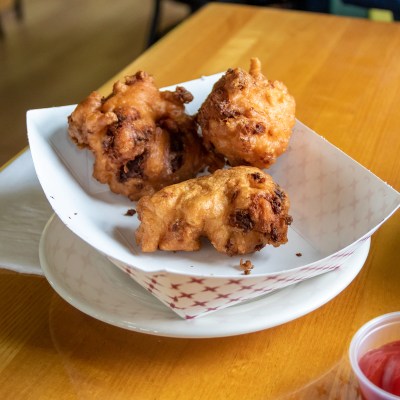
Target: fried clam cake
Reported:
[(141, 137), (247, 118), (240, 210)]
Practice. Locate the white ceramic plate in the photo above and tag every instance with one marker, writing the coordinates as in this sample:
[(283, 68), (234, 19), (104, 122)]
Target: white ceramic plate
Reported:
[(92, 284)]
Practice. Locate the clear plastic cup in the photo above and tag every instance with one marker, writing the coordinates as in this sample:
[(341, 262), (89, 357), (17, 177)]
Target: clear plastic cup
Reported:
[(372, 335)]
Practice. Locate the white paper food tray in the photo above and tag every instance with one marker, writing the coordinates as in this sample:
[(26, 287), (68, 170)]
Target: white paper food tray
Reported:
[(336, 204)]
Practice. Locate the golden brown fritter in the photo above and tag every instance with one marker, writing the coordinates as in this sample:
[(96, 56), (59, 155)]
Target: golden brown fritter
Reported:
[(247, 118), (239, 210), (141, 138)]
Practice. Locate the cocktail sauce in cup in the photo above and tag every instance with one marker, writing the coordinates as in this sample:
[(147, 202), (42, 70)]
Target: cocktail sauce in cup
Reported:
[(375, 357)]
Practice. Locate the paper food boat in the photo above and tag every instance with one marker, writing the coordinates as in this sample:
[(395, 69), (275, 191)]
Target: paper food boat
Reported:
[(336, 205)]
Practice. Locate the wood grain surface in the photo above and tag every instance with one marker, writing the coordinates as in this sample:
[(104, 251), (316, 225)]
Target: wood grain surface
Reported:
[(345, 76)]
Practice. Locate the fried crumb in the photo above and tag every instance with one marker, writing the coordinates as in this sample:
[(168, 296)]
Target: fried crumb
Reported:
[(130, 212), (246, 266), (299, 254)]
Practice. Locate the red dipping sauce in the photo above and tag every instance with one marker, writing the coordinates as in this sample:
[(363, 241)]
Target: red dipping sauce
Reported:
[(382, 367)]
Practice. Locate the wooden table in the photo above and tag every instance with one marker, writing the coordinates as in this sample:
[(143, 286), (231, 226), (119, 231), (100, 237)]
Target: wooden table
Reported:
[(345, 76)]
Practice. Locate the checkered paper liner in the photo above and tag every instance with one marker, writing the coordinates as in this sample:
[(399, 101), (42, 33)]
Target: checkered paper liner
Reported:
[(193, 296), (335, 203)]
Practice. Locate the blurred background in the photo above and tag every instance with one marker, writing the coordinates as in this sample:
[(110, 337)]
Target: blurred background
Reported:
[(55, 52)]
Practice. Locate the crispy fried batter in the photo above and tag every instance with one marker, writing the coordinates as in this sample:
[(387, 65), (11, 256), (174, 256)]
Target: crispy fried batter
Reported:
[(239, 210), (246, 266), (247, 118), (141, 138)]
